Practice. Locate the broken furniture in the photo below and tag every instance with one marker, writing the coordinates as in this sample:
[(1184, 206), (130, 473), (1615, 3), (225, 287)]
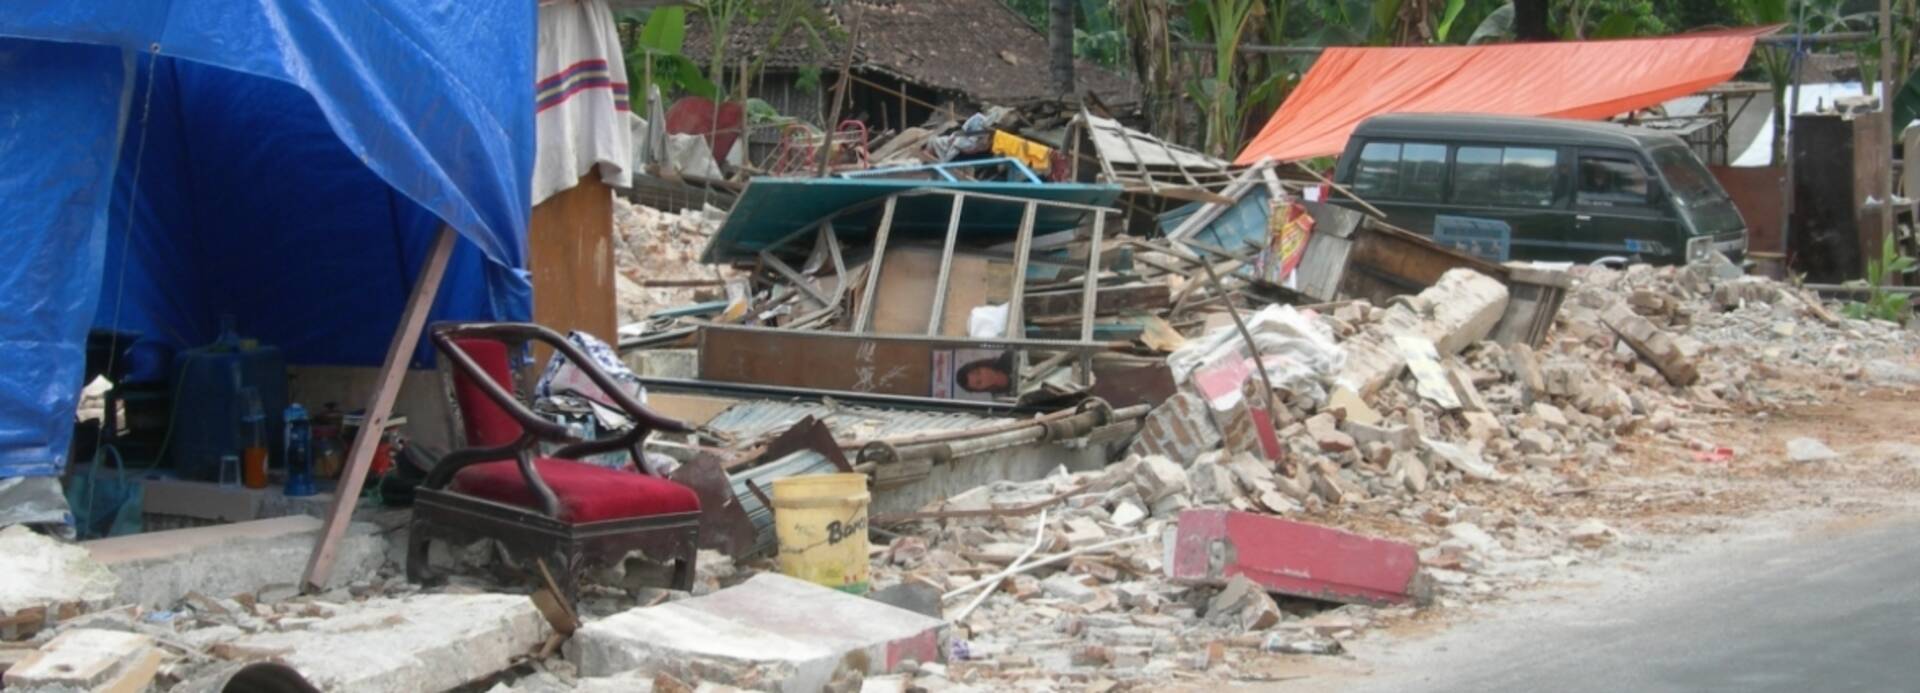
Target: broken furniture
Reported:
[(850, 305), (545, 507)]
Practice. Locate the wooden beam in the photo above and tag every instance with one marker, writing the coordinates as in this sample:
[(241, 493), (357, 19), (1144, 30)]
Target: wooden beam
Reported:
[(1091, 281), (406, 337), (1107, 300), (865, 315), (1016, 306), (793, 277), (946, 269)]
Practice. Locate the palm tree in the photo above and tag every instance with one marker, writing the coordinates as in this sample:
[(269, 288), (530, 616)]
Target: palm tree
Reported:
[(1060, 46)]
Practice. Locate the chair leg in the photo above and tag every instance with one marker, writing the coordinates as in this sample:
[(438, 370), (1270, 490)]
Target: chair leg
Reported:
[(565, 564), (417, 551), (688, 554)]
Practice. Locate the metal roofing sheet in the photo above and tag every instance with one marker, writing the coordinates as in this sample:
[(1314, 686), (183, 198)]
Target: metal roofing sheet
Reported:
[(757, 419)]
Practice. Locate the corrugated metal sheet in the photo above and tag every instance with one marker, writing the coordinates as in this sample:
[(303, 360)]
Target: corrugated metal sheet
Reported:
[(800, 463), (758, 419)]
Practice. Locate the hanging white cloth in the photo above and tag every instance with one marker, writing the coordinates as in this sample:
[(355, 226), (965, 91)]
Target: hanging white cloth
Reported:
[(580, 98)]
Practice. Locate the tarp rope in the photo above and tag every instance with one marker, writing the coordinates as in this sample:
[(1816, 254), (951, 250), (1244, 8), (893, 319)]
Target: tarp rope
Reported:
[(83, 515)]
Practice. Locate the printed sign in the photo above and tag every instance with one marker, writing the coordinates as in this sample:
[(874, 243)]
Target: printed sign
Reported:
[(1491, 239)]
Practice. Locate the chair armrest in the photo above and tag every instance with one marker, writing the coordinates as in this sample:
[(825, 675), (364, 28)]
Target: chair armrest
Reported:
[(643, 417)]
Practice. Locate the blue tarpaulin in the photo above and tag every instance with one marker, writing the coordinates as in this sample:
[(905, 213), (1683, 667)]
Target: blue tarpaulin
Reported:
[(294, 160)]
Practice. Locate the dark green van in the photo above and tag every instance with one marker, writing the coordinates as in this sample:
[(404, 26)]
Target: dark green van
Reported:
[(1542, 188)]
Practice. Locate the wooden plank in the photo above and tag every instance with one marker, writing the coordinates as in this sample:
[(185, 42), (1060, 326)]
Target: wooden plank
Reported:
[(693, 409), (405, 338), (873, 266), (934, 316), (1016, 317), (817, 360), (908, 297), (802, 283), (1091, 281), (1109, 300), (882, 364)]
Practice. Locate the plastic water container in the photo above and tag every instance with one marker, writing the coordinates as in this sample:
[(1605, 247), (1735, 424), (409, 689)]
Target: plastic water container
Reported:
[(821, 521), (208, 410)]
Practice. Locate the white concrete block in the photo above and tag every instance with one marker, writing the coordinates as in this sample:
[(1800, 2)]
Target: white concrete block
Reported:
[(427, 642), (87, 659), (39, 571), (771, 632)]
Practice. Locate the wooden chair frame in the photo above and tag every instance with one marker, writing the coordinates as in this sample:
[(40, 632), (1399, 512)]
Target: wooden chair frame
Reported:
[(568, 548)]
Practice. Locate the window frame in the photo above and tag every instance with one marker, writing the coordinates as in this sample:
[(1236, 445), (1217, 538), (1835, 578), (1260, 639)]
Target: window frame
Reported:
[(1398, 179), (1559, 195), (1649, 203)]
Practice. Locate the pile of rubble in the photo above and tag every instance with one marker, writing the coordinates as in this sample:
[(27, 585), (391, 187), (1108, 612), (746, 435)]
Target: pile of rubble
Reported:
[(1408, 460), (653, 245), (1444, 451)]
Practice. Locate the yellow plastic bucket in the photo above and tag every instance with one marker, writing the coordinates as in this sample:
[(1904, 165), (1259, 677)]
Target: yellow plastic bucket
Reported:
[(821, 521)]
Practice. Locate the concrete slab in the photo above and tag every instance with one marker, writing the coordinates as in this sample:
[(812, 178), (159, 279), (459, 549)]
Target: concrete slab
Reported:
[(176, 503), (87, 659), (157, 569), (771, 632), (427, 642)]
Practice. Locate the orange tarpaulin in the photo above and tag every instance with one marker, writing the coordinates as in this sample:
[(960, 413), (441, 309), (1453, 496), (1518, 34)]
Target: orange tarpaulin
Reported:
[(1587, 80)]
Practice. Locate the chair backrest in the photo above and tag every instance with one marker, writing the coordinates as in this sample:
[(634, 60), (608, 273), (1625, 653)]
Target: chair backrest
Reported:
[(487, 424)]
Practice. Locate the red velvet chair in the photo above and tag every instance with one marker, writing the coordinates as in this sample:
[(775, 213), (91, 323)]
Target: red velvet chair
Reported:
[(570, 514)]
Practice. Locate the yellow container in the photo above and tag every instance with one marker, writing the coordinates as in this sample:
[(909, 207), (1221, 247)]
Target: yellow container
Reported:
[(821, 521)]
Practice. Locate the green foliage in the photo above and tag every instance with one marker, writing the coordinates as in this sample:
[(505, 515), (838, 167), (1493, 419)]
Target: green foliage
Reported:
[(1447, 19), (1498, 26), (1906, 101), (807, 78), (653, 53), (1098, 35), (1882, 304)]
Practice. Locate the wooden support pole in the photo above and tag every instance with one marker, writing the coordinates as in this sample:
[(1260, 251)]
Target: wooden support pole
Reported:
[(406, 337), (1016, 317), (865, 314), (839, 96), (799, 282), (1884, 157), (946, 268), (1091, 281)]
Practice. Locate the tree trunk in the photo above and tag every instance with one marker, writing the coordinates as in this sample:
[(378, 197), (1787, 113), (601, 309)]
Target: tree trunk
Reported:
[(1060, 45), (1530, 21)]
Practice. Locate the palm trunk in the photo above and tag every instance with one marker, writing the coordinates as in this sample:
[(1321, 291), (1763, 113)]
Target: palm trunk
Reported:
[(1060, 45), (1530, 21)]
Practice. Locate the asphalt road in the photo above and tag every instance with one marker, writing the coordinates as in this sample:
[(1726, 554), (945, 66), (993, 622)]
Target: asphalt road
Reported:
[(1833, 608)]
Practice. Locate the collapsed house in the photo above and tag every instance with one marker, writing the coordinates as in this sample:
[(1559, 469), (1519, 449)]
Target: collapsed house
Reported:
[(908, 64)]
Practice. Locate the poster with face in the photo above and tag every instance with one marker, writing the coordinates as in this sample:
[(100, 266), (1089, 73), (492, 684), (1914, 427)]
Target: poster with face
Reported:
[(973, 374)]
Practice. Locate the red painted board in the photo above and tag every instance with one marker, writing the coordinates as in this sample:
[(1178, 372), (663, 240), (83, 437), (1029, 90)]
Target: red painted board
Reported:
[(1295, 558)]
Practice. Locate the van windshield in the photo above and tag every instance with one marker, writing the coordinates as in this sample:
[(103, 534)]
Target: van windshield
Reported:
[(1689, 182), (1695, 192)]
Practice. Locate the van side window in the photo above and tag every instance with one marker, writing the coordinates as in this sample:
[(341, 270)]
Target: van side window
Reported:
[(1507, 176), (1611, 181), (1401, 171)]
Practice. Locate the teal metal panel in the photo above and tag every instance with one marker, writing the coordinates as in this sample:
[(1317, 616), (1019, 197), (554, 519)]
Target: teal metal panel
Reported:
[(771, 209)]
